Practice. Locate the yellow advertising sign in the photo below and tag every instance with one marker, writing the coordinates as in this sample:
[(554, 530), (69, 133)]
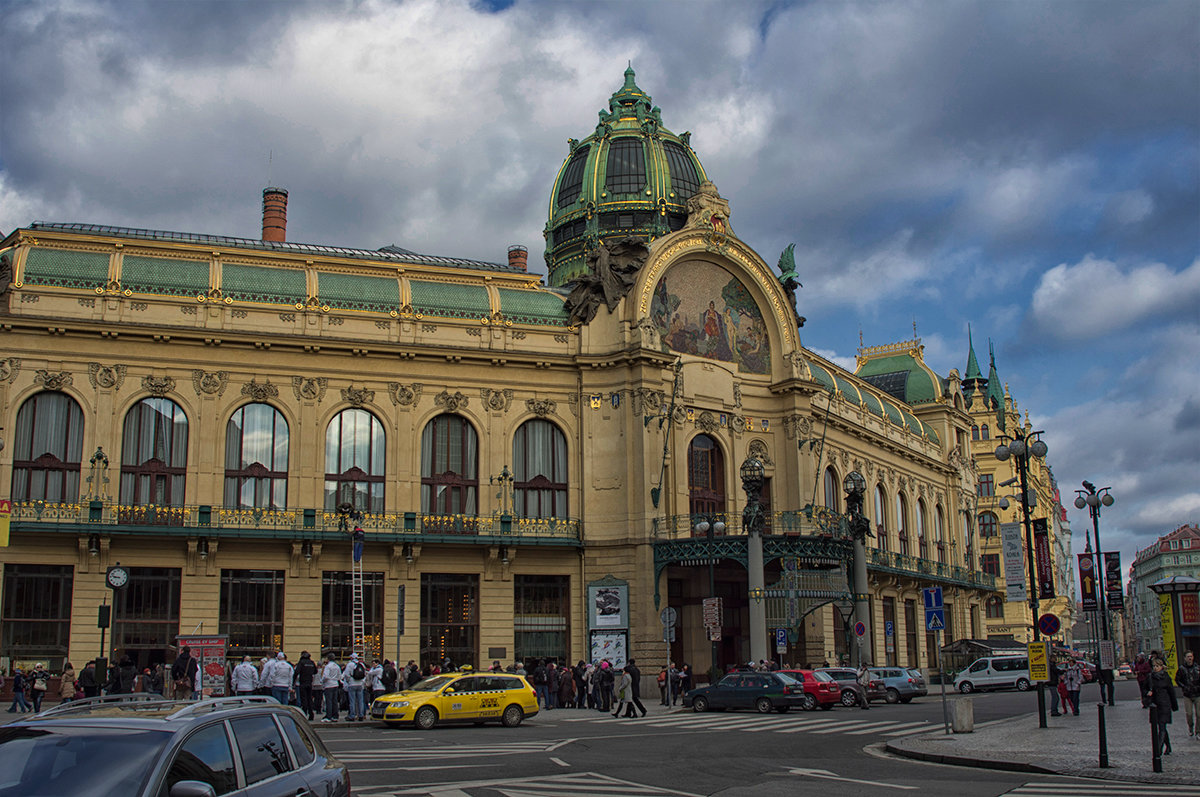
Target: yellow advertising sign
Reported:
[(5, 520), (1167, 623), (1039, 660)]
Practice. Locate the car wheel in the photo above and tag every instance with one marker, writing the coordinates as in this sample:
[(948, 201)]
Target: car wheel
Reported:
[(1022, 685), (512, 717), (763, 705), (809, 703), (849, 698), (966, 687), (426, 717), (699, 704), (893, 696)]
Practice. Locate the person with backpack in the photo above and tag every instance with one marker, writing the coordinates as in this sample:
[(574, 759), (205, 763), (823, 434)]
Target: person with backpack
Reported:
[(331, 682), (390, 677), (355, 679), (541, 684), (306, 671)]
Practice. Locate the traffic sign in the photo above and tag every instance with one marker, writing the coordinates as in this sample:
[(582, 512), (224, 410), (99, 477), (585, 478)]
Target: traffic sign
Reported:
[(668, 633), (669, 616), (935, 619), (860, 628), (933, 598), (781, 641), (1048, 624)]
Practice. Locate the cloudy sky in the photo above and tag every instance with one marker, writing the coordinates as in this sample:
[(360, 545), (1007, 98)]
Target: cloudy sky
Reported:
[(1029, 168)]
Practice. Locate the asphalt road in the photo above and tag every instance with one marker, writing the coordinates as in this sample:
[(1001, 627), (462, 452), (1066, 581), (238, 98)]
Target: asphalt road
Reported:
[(582, 753)]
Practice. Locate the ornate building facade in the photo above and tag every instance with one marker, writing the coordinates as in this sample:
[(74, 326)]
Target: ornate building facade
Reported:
[(533, 462)]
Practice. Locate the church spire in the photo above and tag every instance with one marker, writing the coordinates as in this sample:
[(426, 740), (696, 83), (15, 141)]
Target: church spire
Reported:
[(995, 392), (973, 382)]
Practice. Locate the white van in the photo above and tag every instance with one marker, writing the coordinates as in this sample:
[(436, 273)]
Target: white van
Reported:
[(994, 672)]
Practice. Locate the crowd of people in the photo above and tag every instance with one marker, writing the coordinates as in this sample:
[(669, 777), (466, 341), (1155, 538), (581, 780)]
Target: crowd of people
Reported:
[(599, 685)]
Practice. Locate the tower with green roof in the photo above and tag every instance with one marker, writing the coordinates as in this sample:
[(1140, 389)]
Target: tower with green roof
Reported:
[(631, 176), (995, 393), (973, 382)]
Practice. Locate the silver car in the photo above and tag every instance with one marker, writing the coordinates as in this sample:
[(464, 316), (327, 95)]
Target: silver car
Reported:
[(900, 685), (140, 746)]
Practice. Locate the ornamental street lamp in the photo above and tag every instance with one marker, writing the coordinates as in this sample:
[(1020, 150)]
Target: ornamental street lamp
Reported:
[(1023, 446), (1093, 499), (856, 487), (753, 478), (708, 525)]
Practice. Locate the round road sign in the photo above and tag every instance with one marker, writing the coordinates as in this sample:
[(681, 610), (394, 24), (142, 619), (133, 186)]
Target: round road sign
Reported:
[(668, 616), (1048, 624), (860, 628)]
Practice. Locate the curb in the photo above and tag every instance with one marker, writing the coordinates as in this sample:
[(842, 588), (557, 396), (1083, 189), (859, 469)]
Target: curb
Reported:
[(963, 761)]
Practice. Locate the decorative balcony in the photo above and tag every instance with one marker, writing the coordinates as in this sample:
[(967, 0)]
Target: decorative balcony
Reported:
[(815, 522), (293, 524), (927, 569)]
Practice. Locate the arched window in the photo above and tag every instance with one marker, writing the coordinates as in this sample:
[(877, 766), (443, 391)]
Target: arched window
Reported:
[(572, 179), (256, 458), (540, 470), (994, 608), (881, 533), (684, 181), (154, 454), (831, 489), (974, 432), (626, 170), (47, 449), (354, 461), (922, 543), (939, 533), (449, 467), (706, 476), (902, 522), (988, 524), (983, 432)]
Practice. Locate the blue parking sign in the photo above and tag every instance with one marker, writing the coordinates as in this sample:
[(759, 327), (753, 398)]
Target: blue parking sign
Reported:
[(781, 640)]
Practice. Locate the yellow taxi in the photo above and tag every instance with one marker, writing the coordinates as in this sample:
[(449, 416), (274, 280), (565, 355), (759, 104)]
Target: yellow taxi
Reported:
[(463, 696)]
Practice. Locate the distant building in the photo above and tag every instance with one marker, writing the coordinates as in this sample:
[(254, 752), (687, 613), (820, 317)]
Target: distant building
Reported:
[(1176, 554)]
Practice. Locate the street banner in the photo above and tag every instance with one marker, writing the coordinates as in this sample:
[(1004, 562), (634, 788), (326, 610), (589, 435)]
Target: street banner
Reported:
[(1045, 568), (1039, 660), (1189, 608), (1112, 581), (1014, 562), (5, 521), (1087, 583), (1108, 654), (1166, 621), (210, 652)]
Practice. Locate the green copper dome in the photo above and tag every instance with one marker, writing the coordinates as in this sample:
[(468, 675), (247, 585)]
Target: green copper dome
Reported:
[(631, 176)]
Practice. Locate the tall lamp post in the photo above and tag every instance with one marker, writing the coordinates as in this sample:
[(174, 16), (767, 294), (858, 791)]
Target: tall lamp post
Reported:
[(709, 525), (1093, 499), (855, 487), (753, 477), (1023, 446)]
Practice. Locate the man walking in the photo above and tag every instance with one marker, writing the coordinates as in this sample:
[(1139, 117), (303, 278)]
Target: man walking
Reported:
[(635, 693), (1187, 678), (281, 679), (306, 671), (863, 682), (1052, 683), (245, 677), (87, 680), (331, 681)]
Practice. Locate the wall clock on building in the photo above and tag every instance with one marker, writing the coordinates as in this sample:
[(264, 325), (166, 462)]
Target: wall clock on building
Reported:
[(118, 577)]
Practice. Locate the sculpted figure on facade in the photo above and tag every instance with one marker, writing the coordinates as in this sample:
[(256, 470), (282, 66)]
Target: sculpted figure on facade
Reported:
[(210, 384), (613, 268), (708, 210), (53, 380), (404, 395), (357, 396), (106, 377), (309, 389)]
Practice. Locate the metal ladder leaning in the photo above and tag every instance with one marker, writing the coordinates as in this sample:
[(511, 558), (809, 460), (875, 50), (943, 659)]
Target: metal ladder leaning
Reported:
[(358, 643)]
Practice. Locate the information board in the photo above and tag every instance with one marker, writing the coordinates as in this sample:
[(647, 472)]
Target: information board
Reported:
[(1039, 660)]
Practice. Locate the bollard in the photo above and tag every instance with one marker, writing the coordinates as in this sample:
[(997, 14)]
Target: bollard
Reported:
[(1103, 737), (1155, 744), (964, 715)]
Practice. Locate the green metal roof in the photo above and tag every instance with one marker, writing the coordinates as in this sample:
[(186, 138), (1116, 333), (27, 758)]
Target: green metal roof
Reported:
[(68, 268), (872, 403), (267, 285), (532, 306), (822, 376), (848, 389), (893, 413), (358, 292), (450, 300), (164, 275)]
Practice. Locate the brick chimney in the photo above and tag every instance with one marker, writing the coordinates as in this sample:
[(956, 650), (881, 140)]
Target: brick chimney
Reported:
[(518, 257), (274, 222)]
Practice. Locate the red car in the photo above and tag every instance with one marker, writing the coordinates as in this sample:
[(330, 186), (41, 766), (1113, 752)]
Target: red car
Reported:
[(820, 690)]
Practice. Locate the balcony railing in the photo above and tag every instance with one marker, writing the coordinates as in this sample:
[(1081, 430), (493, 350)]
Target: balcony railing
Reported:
[(816, 522), (291, 523), (927, 568)]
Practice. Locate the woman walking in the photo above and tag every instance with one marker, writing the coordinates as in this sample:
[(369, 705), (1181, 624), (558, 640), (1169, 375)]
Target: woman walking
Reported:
[(1160, 697), (1073, 679), (66, 686)]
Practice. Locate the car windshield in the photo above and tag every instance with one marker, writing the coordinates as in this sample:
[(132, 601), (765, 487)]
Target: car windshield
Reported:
[(431, 684), (787, 679), (822, 676), (53, 760)]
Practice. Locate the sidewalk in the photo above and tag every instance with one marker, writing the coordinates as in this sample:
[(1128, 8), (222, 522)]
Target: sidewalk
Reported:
[(1069, 746)]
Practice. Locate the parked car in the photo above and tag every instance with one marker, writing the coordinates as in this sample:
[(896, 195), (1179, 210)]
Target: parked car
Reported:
[(846, 677), (762, 691), (994, 672), (464, 696), (900, 685), (820, 690), (138, 745)]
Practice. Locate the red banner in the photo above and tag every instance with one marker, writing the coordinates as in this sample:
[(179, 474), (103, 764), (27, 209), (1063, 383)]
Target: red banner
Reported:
[(1087, 583), (1113, 595), (1045, 568), (1189, 608)]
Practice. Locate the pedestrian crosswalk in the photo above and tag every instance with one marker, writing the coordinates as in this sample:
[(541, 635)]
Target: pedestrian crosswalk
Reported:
[(823, 723), (575, 784), (447, 755), (1095, 788)]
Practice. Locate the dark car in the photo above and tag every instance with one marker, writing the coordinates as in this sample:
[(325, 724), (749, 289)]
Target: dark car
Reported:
[(761, 691), (847, 677), (139, 746), (820, 690)]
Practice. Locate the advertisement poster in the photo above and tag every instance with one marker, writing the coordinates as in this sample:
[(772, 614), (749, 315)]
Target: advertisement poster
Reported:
[(1166, 621), (1041, 550), (608, 606), (1189, 608), (210, 651), (1039, 660), (1112, 581), (1014, 562), (1087, 583), (609, 645)]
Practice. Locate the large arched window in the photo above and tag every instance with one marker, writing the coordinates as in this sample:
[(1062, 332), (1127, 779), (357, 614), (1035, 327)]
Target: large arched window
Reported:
[(831, 489), (626, 170), (154, 454), (881, 517), (922, 542), (939, 533), (902, 522), (988, 525), (540, 470), (256, 458), (449, 467), (47, 449), (706, 476), (354, 461)]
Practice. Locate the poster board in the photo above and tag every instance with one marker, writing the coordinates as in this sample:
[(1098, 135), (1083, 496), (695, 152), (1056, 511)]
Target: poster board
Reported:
[(209, 651), (611, 645), (608, 604)]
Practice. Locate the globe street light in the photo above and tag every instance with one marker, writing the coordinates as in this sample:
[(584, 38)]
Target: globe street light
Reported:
[(1023, 446), (708, 525), (753, 478), (855, 487), (1093, 499)]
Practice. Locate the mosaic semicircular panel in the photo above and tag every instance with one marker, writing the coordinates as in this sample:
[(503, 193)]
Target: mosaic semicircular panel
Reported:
[(701, 309)]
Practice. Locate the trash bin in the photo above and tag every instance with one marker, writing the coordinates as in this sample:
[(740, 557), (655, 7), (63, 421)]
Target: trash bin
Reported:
[(962, 717)]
